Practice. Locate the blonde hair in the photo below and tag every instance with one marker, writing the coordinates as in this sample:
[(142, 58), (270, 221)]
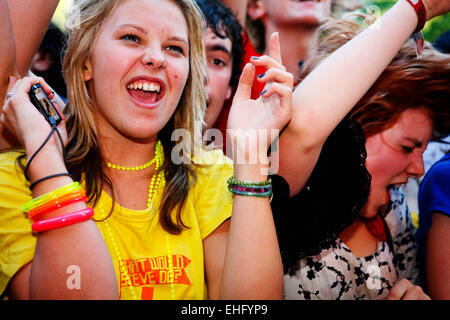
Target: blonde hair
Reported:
[(84, 159)]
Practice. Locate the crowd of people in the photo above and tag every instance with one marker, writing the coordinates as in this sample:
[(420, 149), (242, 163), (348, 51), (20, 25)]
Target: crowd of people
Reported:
[(223, 149)]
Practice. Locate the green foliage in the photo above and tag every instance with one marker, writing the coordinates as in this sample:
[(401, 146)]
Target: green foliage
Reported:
[(433, 28)]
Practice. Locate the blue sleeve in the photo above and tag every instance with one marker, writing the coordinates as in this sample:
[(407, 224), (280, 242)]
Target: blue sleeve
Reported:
[(434, 194)]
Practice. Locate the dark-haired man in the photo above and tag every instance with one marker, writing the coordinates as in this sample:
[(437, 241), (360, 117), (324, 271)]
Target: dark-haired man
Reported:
[(223, 45)]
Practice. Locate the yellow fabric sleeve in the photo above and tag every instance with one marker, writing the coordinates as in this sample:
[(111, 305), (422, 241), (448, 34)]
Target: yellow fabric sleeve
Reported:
[(17, 243), (213, 202)]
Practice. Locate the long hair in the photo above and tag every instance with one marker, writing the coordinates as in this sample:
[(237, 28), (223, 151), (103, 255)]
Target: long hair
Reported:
[(84, 159), (407, 82)]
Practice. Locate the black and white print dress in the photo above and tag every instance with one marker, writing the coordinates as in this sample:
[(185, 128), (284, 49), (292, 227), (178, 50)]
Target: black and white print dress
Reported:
[(336, 274)]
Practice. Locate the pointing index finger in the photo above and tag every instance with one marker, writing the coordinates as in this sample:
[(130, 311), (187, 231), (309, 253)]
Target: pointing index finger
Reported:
[(274, 47)]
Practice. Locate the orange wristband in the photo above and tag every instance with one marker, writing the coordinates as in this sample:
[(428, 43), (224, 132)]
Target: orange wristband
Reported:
[(38, 215), (56, 203)]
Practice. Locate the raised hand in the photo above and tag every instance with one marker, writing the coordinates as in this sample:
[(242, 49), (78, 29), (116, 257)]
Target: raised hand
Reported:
[(267, 114), (436, 7), (22, 119)]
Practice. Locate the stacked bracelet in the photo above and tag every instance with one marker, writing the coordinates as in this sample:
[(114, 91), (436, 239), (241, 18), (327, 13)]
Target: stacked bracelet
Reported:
[(63, 196), (53, 204), (256, 189), (63, 220), (36, 202)]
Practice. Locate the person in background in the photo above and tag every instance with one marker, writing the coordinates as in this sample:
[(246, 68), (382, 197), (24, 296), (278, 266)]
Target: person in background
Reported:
[(433, 234), (352, 232), (222, 38), (435, 150), (47, 62), (297, 23)]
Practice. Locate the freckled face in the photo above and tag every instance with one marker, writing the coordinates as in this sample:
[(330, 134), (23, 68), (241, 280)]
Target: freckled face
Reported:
[(395, 155), (139, 68)]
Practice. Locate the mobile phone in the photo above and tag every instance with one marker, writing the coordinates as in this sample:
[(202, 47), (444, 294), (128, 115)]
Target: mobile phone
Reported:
[(43, 103)]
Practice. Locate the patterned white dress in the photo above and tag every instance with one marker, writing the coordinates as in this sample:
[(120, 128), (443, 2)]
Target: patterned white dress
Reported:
[(337, 274)]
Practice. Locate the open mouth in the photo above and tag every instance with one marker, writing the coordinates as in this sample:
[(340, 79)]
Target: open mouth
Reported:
[(395, 185), (389, 187), (146, 91), (306, 0)]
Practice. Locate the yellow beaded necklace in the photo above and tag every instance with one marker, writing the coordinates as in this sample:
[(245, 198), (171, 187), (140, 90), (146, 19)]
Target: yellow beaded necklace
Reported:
[(136, 168), (156, 178), (155, 182)]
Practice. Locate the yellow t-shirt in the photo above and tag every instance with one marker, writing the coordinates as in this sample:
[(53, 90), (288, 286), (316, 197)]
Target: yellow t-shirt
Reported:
[(149, 262)]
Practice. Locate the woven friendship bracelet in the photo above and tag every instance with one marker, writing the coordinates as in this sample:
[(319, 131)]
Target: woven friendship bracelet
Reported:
[(233, 180), (256, 189)]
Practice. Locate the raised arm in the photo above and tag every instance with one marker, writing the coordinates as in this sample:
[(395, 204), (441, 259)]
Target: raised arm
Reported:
[(29, 20), (7, 52), (245, 250), (80, 244), (7, 66), (326, 95), (23, 27)]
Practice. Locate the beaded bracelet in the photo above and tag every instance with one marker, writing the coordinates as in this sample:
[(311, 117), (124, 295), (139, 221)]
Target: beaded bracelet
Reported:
[(59, 192), (256, 189), (63, 220)]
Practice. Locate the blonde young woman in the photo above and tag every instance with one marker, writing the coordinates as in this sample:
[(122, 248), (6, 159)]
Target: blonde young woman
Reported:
[(160, 230)]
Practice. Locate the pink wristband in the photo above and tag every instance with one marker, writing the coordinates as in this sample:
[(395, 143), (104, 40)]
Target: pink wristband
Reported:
[(63, 220)]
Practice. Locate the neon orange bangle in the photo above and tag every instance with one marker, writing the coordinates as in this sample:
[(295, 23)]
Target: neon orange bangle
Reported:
[(54, 202), (63, 220), (34, 216), (59, 192)]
